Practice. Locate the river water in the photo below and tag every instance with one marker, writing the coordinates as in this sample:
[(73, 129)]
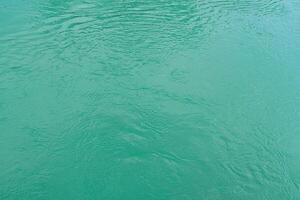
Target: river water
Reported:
[(166, 100)]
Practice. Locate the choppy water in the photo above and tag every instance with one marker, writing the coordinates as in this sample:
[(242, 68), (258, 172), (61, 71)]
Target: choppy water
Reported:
[(181, 100)]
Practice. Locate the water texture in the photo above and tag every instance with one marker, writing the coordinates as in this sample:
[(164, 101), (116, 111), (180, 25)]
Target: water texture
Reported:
[(166, 100)]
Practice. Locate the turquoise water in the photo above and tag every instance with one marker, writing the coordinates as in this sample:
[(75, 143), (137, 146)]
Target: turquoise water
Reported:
[(146, 100)]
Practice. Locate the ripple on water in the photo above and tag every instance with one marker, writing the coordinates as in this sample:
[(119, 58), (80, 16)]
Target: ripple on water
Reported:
[(148, 99)]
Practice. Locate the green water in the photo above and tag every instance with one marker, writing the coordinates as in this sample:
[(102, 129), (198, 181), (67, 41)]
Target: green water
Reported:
[(146, 100)]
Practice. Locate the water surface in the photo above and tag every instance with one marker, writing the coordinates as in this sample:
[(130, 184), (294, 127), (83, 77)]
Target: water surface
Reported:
[(181, 100)]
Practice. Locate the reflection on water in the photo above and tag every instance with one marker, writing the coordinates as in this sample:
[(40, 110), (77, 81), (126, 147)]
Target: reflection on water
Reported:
[(149, 100)]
